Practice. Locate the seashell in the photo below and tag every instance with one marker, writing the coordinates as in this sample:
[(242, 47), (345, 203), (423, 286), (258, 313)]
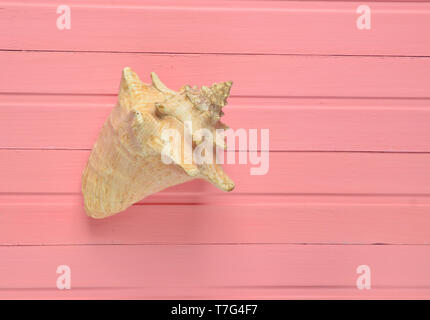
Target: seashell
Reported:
[(126, 163)]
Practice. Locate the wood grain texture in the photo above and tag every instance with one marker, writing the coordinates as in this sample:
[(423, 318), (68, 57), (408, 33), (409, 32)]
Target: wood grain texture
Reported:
[(335, 124), (214, 271), (281, 27), (263, 219), (59, 171), (253, 75)]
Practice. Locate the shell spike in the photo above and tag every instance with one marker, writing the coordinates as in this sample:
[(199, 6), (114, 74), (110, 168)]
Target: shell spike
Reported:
[(156, 82), (216, 175), (130, 88)]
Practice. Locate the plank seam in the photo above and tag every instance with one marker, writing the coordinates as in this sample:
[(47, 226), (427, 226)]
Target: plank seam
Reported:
[(214, 53), (259, 150), (297, 244), (27, 93)]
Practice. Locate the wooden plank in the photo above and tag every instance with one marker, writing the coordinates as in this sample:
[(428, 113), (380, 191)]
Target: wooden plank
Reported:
[(229, 293), (232, 271), (289, 76), (59, 171), (268, 27), (61, 220), (73, 122)]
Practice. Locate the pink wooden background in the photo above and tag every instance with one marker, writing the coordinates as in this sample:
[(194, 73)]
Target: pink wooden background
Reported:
[(349, 181)]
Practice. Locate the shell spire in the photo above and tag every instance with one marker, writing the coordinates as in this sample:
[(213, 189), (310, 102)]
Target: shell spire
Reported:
[(133, 158), (218, 93)]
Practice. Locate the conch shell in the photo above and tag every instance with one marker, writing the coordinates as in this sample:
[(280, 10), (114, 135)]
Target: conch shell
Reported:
[(126, 164)]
